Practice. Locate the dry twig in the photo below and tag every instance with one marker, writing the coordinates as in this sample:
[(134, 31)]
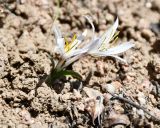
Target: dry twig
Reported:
[(135, 105)]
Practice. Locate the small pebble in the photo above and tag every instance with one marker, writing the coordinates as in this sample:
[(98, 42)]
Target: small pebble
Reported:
[(110, 88), (141, 98), (146, 33), (140, 112), (148, 5), (119, 126)]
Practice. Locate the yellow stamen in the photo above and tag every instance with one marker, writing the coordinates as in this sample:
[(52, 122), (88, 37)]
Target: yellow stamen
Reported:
[(103, 46), (66, 44), (69, 44), (113, 42), (114, 39), (115, 35)]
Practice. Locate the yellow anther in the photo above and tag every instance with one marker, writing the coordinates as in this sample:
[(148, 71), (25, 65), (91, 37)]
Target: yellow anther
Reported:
[(114, 39), (68, 45), (73, 38), (115, 36), (114, 42)]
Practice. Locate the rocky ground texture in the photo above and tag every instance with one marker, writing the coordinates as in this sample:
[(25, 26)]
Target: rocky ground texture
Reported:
[(27, 44)]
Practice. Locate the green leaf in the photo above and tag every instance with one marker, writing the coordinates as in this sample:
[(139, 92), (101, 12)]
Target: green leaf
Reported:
[(61, 73), (55, 74), (72, 73)]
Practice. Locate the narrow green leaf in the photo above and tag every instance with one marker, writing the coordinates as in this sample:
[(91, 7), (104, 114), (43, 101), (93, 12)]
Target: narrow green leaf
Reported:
[(56, 74), (73, 74), (61, 73)]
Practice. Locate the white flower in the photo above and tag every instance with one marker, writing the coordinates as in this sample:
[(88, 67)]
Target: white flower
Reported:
[(102, 45), (69, 51)]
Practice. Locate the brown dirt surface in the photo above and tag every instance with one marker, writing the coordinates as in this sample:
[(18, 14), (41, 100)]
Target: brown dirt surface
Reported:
[(26, 52)]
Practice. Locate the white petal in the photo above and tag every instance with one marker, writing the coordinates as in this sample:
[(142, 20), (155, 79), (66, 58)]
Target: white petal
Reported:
[(79, 39), (102, 54), (71, 60), (60, 44), (59, 40), (91, 46), (107, 36), (91, 23), (119, 58), (84, 33), (75, 53), (97, 53), (119, 49), (57, 32)]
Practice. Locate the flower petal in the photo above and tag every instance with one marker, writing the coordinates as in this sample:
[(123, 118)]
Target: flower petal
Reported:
[(107, 36), (71, 60), (60, 44), (79, 39), (119, 49), (59, 40), (91, 23), (119, 58), (57, 32), (75, 53), (92, 46)]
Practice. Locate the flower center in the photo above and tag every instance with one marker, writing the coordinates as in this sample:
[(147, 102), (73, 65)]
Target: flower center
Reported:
[(69, 44)]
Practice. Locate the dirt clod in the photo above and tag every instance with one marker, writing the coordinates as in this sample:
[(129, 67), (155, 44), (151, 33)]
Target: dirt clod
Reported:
[(27, 51)]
